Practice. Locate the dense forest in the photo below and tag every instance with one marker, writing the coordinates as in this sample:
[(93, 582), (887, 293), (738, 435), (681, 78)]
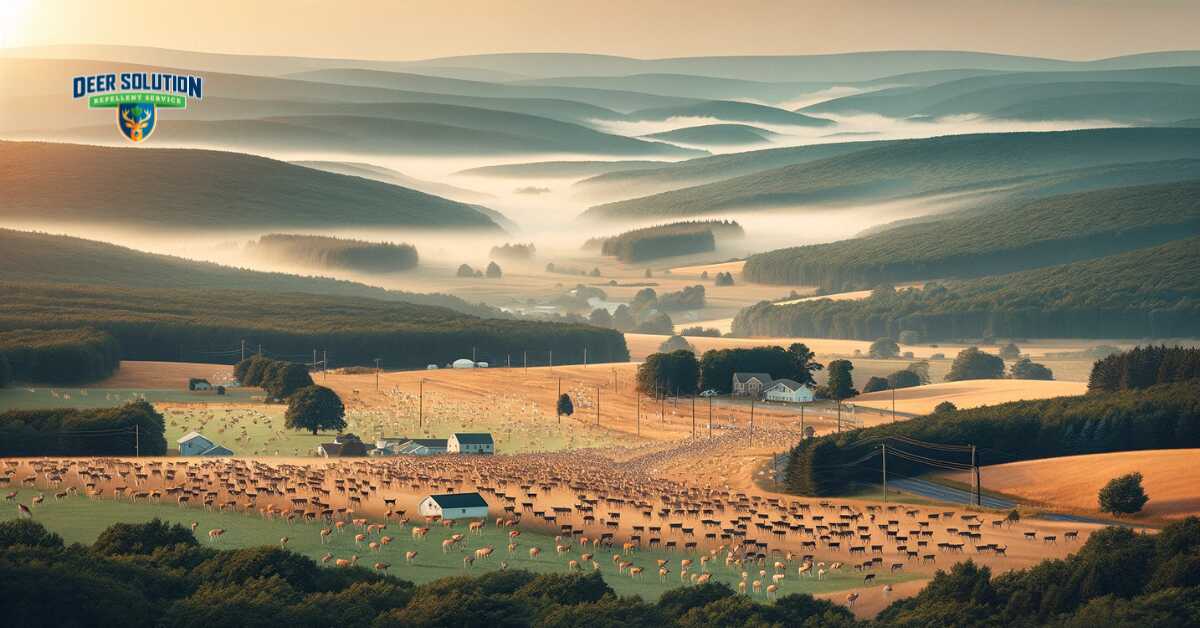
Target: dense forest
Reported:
[(1142, 367), (92, 432), (677, 238), (154, 573), (1043, 232), (335, 253), (61, 356), (1160, 417), (182, 325), (41, 257), (1152, 292)]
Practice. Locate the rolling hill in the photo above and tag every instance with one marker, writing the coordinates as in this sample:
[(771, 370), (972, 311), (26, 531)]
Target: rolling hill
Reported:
[(559, 169), (158, 190), (1146, 293), (1154, 94), (715, 135), (1043, 232), (687, 86), (619, 100), (731, 111), (915, 167), (387, 175), (651, 180), (55, 259)]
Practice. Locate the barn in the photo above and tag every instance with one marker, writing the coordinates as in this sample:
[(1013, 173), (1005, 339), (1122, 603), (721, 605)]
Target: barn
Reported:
[(454, 506), (471, 443)]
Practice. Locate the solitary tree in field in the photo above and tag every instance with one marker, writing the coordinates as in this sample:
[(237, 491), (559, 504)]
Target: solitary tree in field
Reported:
[(1025, 368), (493, 270), (884, 348), (944, 406), (675, 343), (972, 363), (565, 406), (804, 362), (315, 408), (1123, 495)]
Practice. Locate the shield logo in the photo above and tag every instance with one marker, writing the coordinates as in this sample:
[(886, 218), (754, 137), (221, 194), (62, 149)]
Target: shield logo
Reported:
[(136, 120)]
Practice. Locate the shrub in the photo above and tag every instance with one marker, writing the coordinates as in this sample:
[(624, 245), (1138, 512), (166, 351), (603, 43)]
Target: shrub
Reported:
[(1123, 495), (565, 405), (142, 538), (28, 533)]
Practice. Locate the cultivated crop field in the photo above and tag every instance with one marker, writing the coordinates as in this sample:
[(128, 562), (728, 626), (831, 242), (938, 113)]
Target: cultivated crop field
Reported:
[(969, 394)]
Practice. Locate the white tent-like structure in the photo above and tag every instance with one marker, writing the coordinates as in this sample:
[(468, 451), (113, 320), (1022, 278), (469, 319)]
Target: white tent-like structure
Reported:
[(463, 363)]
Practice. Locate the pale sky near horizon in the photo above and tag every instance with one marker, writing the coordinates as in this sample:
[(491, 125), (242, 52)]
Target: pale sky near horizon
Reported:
[(397, 29)]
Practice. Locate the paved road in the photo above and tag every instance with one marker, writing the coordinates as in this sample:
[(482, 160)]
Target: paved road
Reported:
[(954, 495), (950, 494)]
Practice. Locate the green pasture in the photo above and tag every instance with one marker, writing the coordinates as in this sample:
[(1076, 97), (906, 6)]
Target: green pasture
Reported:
[(80, 519)]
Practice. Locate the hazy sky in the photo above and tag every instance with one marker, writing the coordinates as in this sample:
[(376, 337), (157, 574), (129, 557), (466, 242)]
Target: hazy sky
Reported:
[(398, 29)]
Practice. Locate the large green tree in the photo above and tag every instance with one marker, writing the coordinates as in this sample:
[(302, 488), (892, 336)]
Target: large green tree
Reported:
[(674, 373), (804, 364), (1123, 495), (841, 382), (315, 408), (284, 378), (884, 348), (972, 363)]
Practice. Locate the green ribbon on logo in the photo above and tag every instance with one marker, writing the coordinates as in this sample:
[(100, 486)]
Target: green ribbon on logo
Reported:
[(169, 101)]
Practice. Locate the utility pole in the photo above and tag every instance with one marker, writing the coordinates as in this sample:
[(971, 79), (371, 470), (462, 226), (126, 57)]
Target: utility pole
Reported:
[(325, 365), (752, 417), (314, 363), (693, 417), (585, 357), (839, 414), (710, 417), (552, 360), (260, 349), (662, 408), (557, 410), (510, 360), (376, 374), (420, 403), (801, 422), (893, 402), (137, 441), (597, 406), (639, 412), (975, 466), (885, 471), (525, 360), (243, 348), (472, 354)]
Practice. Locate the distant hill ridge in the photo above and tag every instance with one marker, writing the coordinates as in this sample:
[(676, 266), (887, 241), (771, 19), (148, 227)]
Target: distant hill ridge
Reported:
[(236, 191)]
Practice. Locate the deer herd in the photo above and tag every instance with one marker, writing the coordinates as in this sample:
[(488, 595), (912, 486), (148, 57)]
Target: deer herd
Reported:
[(598, 512)]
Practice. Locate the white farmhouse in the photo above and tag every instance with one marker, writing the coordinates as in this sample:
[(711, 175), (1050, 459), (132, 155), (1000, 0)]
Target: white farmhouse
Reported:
[(751, 384), (196, 444), (454, 506), (788, 391), (471, 443)]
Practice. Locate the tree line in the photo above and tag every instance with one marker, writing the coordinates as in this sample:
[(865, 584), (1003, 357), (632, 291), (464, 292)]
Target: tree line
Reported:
[(181, 325), (677, 238), (335, 253), (1145, 366), (61, 356), (1152, 292), (154, 573), (1165, 416), (83, 432), (681, 373)]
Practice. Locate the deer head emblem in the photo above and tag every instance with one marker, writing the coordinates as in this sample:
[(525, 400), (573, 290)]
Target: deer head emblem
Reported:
[(136, 119)]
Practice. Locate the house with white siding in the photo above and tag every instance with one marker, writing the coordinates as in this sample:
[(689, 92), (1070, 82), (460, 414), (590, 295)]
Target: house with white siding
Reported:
[(788, 391)]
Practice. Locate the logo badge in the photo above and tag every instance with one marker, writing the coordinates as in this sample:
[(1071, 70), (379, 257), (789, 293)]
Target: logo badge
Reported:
[(136, 120), (137, 97)]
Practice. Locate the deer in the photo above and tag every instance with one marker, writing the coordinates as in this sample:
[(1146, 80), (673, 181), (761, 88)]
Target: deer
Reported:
[(137, 128)]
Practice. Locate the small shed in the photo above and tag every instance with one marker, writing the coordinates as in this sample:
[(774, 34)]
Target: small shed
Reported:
[(196, 444), (471, 443), (423, 447), (454, 506)]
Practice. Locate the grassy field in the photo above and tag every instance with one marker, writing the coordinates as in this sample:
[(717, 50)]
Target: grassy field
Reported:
[(968, 394), (79, 519), (30, 397)]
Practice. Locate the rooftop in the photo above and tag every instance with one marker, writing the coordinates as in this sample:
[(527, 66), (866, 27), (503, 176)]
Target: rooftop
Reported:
[(473, 438), (459, 500)]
